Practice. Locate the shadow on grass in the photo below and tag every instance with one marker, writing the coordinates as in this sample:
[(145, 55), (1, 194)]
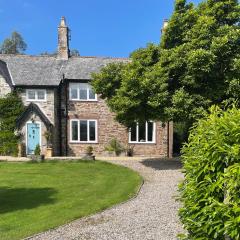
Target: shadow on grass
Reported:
[(161, 164), (13, 199)]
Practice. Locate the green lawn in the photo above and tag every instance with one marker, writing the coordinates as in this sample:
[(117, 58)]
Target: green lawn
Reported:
[(36, 197)]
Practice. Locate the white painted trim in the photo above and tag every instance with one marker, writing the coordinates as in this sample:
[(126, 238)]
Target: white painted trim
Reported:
[(13, 83), (88, 120), (35, 92), (146, 130), (40, 134), (77, 86)]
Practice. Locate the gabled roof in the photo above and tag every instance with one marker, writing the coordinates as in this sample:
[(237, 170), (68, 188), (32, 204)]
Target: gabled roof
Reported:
[(5, 73), (33, 108), (49, 71)]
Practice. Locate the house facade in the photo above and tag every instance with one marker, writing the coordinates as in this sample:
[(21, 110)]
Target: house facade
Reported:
[(62, 108)]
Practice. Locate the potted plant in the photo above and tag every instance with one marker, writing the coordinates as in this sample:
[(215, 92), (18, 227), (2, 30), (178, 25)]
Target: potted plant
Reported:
[(19, 135), (89, 154), (114, 146), (37, 154), (130, 150), (48, 136)]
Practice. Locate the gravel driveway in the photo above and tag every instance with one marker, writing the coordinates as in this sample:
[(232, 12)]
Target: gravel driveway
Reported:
[(151, 215)]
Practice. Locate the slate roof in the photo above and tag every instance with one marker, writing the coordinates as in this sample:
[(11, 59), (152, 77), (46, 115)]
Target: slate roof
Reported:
[(48, 70), (5, 73)]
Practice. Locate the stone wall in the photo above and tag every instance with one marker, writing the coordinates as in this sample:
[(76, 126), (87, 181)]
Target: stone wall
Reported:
[(108, 129), (4, 87)]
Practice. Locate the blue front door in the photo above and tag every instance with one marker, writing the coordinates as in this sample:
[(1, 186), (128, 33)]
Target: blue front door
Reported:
[(33, 137)]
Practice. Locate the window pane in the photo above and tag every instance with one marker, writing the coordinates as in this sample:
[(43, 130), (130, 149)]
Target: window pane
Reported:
[(74, 93), (83, 94), (142, 132), (91, 94), (133, 133), (41, 94), (83, 131), (74, 130), (92, 131), (31, 94), (150, 131)]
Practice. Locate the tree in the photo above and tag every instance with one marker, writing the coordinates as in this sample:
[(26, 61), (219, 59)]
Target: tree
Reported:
[(11, 107), (74, 52), (124, 86), (196, 65), (13, 45)]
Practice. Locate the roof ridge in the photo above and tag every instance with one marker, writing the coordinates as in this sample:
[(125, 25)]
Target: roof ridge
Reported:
[(49, 56), (99, 57), (24, 55)]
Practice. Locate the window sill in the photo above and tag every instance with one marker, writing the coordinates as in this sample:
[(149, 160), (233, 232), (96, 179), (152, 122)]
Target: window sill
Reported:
[(78, 142), (29, 100), (77, 100), (141, 143)]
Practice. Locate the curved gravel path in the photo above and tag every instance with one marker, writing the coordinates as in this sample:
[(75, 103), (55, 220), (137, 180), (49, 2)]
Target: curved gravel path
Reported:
[(151, 215)]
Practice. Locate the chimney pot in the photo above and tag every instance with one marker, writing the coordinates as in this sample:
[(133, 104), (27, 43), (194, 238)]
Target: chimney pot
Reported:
[(63, 22), (63, 40)]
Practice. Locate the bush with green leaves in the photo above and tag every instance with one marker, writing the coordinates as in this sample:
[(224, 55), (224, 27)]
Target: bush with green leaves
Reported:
[(11, 107), (37, 150), (210, 192), (115, 146)]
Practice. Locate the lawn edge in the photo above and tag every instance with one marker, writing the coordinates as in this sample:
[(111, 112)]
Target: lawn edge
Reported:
[(101, 211)]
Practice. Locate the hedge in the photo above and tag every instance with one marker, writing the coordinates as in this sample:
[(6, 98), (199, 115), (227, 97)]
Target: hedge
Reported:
[(210, 192)]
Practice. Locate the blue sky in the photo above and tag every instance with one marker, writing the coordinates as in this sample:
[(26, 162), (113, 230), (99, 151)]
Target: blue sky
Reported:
[(98, 27)]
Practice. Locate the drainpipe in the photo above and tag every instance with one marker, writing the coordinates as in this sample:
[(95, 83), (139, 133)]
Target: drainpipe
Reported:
[(169, 139), (66, 104), (168, 148), (60, 117)]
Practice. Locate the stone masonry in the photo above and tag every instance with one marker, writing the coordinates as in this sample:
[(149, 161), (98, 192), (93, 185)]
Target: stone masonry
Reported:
[(109, 128), (4, 87)]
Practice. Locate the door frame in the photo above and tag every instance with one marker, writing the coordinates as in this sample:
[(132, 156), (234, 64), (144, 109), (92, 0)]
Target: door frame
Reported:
[(40, 134)]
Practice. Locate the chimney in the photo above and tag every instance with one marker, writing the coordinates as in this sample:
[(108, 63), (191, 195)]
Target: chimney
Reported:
[(63, 40), (165, 25)]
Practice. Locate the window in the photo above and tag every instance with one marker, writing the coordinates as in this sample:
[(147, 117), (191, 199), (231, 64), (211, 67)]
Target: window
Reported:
[(36, 95), (142, 133), (83, 131), (81, 92)]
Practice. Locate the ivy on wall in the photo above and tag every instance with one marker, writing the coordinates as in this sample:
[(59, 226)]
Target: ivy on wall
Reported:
[(11, 107)]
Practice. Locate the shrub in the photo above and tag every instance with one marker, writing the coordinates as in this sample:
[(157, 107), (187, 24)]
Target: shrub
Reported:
[(37, 150), (115, 146), (210, 192), (89, 150), (11, 107)]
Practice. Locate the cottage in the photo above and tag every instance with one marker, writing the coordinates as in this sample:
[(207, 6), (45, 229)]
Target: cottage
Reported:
[(62, 106)]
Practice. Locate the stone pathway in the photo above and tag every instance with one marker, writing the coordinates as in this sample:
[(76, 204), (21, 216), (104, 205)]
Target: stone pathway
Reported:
[(152, 215)]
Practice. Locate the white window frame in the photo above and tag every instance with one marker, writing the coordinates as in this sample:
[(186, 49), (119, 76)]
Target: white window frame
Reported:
[(88, 135), (78, 87), (146, 130), (35, 94)]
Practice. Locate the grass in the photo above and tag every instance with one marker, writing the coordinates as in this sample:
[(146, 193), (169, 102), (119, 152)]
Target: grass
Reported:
[(37, 197)]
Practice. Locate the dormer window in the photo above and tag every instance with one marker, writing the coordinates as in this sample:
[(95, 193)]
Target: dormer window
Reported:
[(39, 95), (81, 92)]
